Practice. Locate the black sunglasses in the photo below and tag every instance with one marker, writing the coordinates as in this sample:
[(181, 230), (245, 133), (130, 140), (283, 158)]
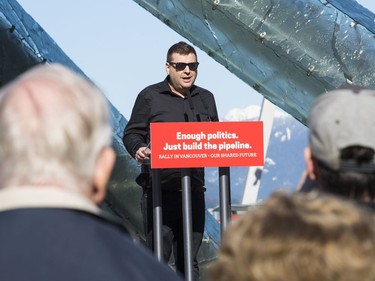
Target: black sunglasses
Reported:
[(179, 66)]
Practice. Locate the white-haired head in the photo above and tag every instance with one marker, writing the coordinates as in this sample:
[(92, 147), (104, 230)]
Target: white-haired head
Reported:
[(54, 124)]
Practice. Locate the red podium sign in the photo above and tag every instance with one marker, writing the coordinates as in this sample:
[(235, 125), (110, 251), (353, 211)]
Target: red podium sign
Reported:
[(206, 144)]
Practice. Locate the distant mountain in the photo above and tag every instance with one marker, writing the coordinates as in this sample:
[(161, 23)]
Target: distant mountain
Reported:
[(284, 161)]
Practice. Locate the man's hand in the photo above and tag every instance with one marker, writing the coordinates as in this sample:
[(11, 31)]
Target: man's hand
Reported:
[(143, 154)]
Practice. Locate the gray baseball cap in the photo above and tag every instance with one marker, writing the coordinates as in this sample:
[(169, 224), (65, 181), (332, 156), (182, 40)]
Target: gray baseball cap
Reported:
[(339, 119)]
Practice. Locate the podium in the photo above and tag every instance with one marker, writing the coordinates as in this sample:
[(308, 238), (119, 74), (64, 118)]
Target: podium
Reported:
[(200, 144)]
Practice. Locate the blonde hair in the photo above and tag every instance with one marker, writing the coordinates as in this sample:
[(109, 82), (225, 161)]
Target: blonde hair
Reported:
[(299, 237), (53, 125)]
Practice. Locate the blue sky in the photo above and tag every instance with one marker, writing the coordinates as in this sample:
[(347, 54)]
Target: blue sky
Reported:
[(122, 48)]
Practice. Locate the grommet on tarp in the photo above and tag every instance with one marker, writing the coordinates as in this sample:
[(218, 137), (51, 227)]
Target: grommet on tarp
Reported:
[(262, 35), (310, 69), (215, 4), (353, 24)]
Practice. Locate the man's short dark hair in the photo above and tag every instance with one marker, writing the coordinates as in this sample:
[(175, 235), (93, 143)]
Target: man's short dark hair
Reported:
[(350, 183), (181, 48)]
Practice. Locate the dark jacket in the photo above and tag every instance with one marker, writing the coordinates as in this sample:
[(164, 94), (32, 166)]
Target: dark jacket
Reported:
[(156, 103), (44, 244), (68, 242)]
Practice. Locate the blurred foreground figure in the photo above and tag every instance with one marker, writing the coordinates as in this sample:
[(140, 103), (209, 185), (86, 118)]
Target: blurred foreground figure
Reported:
[(340, 158), (299, 237), (56, 160)]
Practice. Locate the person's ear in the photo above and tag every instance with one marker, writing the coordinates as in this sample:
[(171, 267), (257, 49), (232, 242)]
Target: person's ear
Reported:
[(102, 172), (310, 164), (167, 68)]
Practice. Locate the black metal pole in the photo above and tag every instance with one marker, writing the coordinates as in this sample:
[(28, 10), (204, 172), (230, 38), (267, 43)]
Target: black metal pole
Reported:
[(225, 200), (157, 214), (187, 220)]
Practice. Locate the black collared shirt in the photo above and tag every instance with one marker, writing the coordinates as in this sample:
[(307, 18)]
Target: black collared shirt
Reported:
[(156, 103)]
